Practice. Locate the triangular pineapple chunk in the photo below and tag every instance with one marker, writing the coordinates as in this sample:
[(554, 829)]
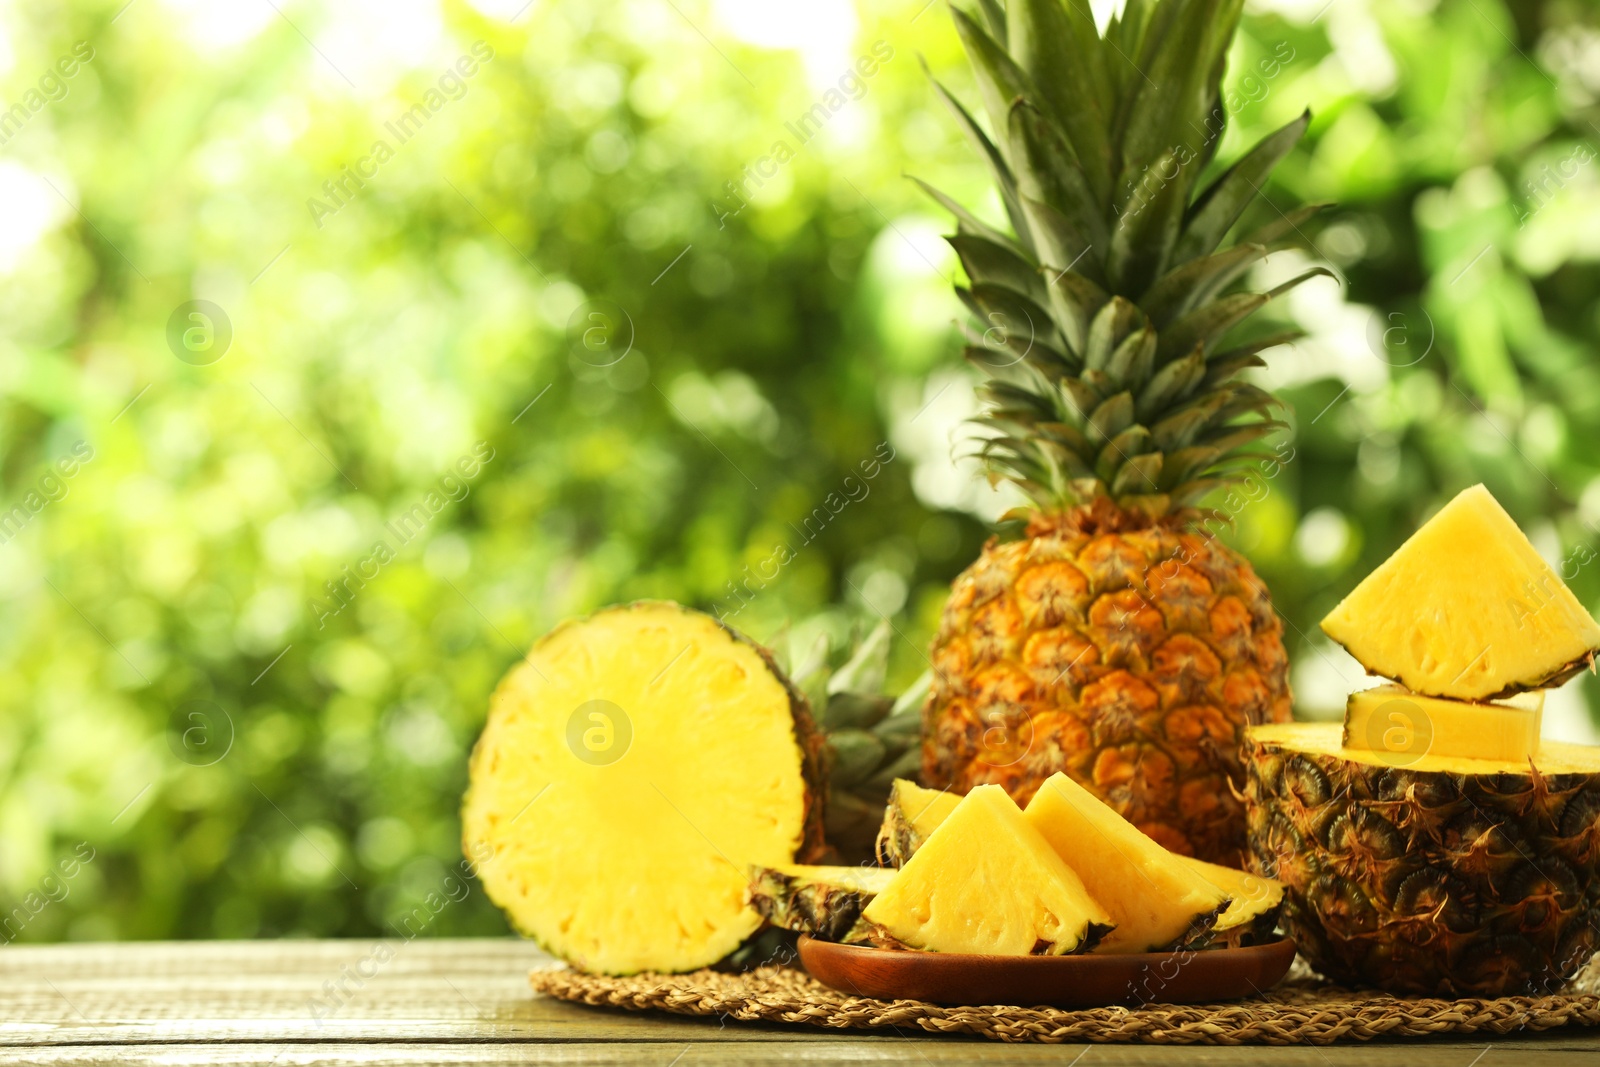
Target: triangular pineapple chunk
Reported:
[(911, 815), (824, 902), (1404, 725), (1155, 900), (1466, 608), (1254, 903), (986, 882)]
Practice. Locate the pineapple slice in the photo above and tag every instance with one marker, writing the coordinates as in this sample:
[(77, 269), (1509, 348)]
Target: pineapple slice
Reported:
[(912, 814), (1466, 608), (1155, 900), (632, 767), (987, 882), (824, 902), (1253, 907), (1402, 725)]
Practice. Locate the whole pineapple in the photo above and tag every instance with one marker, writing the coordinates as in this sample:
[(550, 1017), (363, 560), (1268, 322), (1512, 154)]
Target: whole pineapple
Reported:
[(1118, 640)]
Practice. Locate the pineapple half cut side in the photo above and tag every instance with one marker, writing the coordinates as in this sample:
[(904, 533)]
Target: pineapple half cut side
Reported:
[(986, 882), (1402, 725), (1466, 609), (631, 767)]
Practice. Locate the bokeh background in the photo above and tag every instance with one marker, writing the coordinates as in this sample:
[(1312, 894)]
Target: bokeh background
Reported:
[(588, 277)]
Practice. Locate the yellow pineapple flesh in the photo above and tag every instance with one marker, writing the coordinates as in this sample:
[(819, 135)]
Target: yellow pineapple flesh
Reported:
[(1154, 899), (1466, 608), (1253, 902), (987, 882), (910, 816), (631, 768), (1391, 720)]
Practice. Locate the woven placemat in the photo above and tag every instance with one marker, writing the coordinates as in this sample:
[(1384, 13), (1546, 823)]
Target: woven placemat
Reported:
[(1301, 1010)]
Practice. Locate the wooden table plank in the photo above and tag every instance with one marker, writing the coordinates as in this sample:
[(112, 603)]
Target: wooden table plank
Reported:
[(291, 1003), (932, 1053)]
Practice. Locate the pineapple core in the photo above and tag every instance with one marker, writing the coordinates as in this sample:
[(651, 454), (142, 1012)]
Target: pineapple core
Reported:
[(1403, 725), (1155, 899), (986, 882), (1467, 609)]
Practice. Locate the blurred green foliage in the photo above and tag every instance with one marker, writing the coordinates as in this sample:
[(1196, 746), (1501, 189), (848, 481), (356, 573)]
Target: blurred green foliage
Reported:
[(178, 695)]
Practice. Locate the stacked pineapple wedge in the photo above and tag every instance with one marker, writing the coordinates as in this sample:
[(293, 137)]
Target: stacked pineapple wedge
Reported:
[(1434, 843), (978, 874)]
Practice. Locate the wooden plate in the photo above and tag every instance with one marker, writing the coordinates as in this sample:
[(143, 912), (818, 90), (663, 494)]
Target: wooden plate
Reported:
[(1058, 981)]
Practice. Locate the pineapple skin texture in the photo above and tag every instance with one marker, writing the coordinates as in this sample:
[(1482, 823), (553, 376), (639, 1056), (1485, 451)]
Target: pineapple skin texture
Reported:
[(1429, 882), (1128, 654)]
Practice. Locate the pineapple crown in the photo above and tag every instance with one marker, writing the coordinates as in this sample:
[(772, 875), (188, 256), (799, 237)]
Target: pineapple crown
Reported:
[(1105, 378)]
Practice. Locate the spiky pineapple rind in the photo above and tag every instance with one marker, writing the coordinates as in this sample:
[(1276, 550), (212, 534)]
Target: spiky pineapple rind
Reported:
[(826, 910), (1482, 882)]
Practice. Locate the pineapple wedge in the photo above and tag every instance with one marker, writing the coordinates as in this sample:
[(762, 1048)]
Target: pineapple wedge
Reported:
[(1404, 725), (824, 902), (1252, 913), (1156, 901), (1466, 609), (911, 815), (985, 881)]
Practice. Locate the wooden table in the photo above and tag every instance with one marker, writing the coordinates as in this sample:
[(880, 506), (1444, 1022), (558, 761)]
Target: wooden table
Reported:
[(289, 1003)]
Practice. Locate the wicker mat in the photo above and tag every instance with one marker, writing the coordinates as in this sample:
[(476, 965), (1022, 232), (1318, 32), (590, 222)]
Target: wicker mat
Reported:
[(1300, 1010)]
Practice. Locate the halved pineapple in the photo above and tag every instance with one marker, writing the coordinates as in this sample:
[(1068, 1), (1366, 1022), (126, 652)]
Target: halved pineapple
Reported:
[(1466, 608), (1253, 905), (825, 902), (1155, 900), (632, 767), (1402, 725), (985, 881), (911, 815)]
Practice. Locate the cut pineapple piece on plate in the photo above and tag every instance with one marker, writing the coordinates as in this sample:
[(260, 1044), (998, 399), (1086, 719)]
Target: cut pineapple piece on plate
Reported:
[(1395, 722), (824, 902), (1466, 608), (1156, 901), (911, 815), (632, 767), (1253, 906), (987, 882)]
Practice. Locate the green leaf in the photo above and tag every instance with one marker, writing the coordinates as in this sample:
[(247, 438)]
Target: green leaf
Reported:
[(1114, 453), (1279, 228), (868, 667), (988, 263), (969, 223), (1141, 474), (1171, 383), (1013, 322), (994, 17), (1048, 171), (1000, 80), (1216, 210), (1203, 326), (1106, 332), (1197, 281), (1147, 227), (1058, 48), (1186, 41), (1074, 301), (1224, 365), (1061, 242), (1183, 426), (1112, 416), (998, 168), (1134, 358)]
